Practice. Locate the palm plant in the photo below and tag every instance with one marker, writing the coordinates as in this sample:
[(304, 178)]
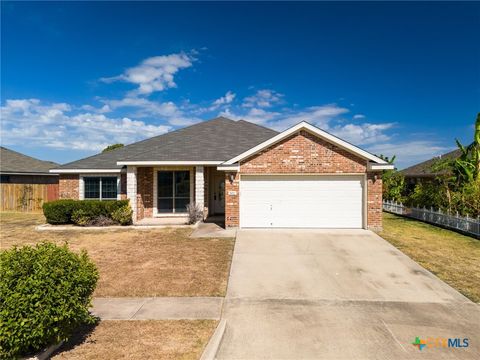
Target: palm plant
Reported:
[(467, 166)]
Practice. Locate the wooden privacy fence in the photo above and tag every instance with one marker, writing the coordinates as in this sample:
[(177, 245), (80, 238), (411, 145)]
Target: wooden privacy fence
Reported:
[(26, 197)]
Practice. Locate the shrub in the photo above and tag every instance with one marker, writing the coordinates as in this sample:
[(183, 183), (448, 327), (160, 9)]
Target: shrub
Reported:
[(123, 215), (81, 217), (195, 213), (77, 211), (45, 293), (59, 211)]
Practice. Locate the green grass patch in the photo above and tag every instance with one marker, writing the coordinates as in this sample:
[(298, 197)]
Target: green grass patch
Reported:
[(452, 257)]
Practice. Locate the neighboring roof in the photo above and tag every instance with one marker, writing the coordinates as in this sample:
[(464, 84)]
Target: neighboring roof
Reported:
[(12, 162), (424, 169), (213, 141), (316, 131)]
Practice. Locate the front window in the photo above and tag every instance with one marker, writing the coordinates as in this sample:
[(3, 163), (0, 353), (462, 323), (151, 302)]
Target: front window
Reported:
[(100, 188), (173, 191)]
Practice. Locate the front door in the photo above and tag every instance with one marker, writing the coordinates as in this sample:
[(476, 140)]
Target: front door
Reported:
[(219, 194)]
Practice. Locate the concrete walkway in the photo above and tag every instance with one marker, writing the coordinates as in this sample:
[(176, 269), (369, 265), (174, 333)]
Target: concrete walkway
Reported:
[(212, 230), (158, 308)]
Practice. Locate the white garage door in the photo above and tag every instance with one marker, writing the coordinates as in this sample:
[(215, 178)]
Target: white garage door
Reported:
[(291, 201)]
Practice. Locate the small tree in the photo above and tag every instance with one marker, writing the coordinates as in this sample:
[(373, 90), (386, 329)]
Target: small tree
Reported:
[(393, 182), (467, 166), (112, 147)]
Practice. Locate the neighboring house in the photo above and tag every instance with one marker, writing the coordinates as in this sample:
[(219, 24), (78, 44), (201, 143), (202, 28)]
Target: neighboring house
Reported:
[(25, 181), (423, 171), (255, 177)]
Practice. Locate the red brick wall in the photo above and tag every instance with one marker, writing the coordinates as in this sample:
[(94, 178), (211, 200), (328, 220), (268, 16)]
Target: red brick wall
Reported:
[(303, 153), (144, 192), (232, 200), (68, 186), (374, 201)]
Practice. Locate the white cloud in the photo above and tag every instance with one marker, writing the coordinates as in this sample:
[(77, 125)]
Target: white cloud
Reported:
[(409, 152), (362, 134), (263, 99), (227, 99), (57, 126), (154, 73), (143, 108), (258, 116), (101, 110), (320, 116), (358, 116), (327, 117)]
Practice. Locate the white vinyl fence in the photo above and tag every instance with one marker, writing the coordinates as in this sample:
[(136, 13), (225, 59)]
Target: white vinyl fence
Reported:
[(465, 224)]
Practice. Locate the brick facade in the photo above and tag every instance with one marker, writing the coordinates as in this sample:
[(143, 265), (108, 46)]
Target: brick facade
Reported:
[(68, 186), (232, 199), (304, 153), (374, 201), (144, 192)]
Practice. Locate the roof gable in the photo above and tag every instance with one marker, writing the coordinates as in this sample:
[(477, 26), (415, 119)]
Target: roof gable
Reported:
[(315, 131)]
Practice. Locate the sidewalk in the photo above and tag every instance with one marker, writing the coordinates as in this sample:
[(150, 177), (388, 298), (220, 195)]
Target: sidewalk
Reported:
[(158, 308)]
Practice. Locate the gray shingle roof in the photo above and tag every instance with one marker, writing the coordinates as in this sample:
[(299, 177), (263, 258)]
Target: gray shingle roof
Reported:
[(219, 139), (14, 162), (424, 169)]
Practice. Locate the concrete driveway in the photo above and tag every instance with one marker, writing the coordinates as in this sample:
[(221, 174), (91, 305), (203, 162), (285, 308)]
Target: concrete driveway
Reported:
[(323, 294)]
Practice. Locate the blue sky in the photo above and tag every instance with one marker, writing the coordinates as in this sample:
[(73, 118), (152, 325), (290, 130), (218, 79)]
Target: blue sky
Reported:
[(393, 78)]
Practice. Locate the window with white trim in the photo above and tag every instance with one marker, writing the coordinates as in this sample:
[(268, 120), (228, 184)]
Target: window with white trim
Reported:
[(100, 187)]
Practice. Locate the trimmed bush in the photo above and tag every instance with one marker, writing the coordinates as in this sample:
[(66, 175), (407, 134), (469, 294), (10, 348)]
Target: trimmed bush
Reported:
[(123, 215), (59, 211), (81, 217), (45, 293), (80, 212)]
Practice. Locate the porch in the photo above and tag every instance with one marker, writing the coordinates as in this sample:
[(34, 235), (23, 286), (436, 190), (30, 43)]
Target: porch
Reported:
[(160, 194)]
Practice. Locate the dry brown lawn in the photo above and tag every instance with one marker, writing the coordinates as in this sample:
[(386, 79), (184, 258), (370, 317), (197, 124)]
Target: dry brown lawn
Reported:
[(159, 339), (453, 257), (160, 262)]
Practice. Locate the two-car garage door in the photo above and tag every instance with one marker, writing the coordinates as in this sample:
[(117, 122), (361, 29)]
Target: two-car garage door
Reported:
[(301, 201)]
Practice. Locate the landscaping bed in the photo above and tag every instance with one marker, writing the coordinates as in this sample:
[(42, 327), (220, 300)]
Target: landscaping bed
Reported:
[(452, 257)]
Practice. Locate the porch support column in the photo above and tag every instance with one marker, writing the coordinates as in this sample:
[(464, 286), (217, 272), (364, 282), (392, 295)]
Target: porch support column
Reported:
[(199, 187), (132, 189)]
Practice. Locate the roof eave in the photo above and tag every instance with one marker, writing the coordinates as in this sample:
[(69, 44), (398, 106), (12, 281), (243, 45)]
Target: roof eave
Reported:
[(26, 173), (85, 171), (166, 163)]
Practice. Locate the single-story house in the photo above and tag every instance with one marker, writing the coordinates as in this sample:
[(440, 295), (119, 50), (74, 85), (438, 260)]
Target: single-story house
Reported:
[(255, 177), (425, 171), (25, 182)]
